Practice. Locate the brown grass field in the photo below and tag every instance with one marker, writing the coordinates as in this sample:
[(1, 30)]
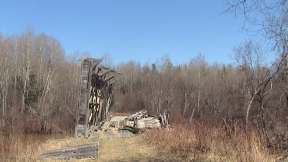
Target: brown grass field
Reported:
[(201, 143), (179, 143)]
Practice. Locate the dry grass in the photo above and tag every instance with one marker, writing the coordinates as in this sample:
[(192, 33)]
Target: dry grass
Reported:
[(29, 147), (209, 144), (111, 148), (125, 149), (20, 147), (180, 143)]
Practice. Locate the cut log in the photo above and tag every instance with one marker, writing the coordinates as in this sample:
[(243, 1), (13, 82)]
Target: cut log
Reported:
[(149, 122)]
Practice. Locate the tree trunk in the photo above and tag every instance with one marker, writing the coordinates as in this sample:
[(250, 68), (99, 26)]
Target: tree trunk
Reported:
[(192, 115), (185, 104), (26, 70), (248, 109)]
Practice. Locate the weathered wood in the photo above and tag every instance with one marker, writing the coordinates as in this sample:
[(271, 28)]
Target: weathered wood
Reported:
[(149, 122), (138, 115), (96, 95), (76, 152), (142, 120), (81, 127)]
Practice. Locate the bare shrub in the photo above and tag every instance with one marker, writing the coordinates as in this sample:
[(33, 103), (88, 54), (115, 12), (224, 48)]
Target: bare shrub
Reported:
[(202, 142)]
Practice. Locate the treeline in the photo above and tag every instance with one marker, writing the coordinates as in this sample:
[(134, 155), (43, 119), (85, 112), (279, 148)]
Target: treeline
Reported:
[(39, 89), (247, 95), (38, 85)]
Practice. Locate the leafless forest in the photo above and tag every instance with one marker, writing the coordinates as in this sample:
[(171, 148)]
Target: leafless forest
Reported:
[(234, 105)]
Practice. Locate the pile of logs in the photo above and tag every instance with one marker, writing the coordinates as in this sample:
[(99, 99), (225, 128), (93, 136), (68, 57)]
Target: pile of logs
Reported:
[(141, 120)]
